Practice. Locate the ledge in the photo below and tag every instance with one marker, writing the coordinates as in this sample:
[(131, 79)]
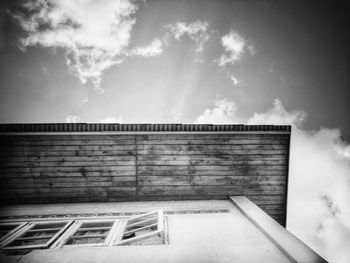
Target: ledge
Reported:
[(291, 246)]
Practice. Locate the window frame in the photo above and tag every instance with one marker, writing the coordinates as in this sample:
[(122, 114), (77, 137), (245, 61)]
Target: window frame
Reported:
[(114, 237), (12, 231), (61, 242), (160, 228), (29, 226)]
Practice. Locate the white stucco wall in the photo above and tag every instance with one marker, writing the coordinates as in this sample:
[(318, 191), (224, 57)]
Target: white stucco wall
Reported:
[(208, 237)]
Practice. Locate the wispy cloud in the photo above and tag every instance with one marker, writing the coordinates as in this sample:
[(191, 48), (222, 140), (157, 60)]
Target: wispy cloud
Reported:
[(319, 178), (197, 31), (72, 118), (94, 34), (235, 47), (110, 119), (235, 81), (155, 48)]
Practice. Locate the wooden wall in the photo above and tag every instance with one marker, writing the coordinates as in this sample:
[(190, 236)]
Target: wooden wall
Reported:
[(99, 167)]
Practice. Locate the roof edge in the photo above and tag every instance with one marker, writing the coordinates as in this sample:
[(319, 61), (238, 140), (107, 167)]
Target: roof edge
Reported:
[(295, 249), (139, 127)]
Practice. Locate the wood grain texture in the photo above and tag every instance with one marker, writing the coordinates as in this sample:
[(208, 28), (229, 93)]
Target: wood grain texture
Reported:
[(128, 167)]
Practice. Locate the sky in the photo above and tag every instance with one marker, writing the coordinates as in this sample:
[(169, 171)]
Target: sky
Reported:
[(153, 61)]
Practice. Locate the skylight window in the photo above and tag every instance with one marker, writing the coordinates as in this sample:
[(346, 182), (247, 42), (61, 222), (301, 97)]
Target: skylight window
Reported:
[(144, 229), (7, 229), (35, 235), (89, 233)]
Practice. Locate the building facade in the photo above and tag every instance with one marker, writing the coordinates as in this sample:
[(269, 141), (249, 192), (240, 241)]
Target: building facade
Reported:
[(146, 193)]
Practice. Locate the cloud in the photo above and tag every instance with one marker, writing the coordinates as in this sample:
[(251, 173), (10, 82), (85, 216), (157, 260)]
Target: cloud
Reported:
[(94, 34), (196, 31), (235, 81), (72, 118), (278, 115), (152, 50), (319, 178), (224, 112), (251, 49), (110, 119), (235, 47)]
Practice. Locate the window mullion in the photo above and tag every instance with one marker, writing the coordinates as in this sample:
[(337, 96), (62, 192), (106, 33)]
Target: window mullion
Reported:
[(116, 232), (64, 238)]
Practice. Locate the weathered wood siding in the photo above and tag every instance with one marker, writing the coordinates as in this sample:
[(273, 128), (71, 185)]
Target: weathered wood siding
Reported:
[(156, 166)]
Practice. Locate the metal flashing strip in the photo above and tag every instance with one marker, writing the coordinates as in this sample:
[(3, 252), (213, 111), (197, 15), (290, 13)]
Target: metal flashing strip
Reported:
[(294, 249), (138, 133), (116, 127)]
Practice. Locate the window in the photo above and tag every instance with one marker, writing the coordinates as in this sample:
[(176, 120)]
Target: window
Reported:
[(145, 229), (35, 235), (7, 229), (89, 233)]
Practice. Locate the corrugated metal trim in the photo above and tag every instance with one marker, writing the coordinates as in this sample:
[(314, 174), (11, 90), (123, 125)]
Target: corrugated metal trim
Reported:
[(110, 127)]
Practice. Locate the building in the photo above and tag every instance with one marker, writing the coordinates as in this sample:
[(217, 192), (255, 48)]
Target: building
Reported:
[(146, 193)]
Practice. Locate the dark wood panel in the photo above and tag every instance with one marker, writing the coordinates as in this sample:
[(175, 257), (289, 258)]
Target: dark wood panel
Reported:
[(208, 162), (218, 141), (40, 159), (228, 183), (70, 164), (208, 183), (66, 137), (66, 142), (120, 167), (211, 136), (84, 170), (205, 173), (214, 141), (255, 187), (130, 156), (24, 180), (65, 148), (197, 147), (50, 153), (213, 178), (211, 168), (67, 184), (66, 199), (213, 151), (215, 157), (71, 190), (155, 136)]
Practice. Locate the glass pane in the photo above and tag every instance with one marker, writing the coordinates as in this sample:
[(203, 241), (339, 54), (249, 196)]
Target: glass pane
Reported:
[(49, 225), (139, 232), (91, 233), (50, 233), (90, 240), (82, 232), (4, 229), (28, 242), (96, 224)]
